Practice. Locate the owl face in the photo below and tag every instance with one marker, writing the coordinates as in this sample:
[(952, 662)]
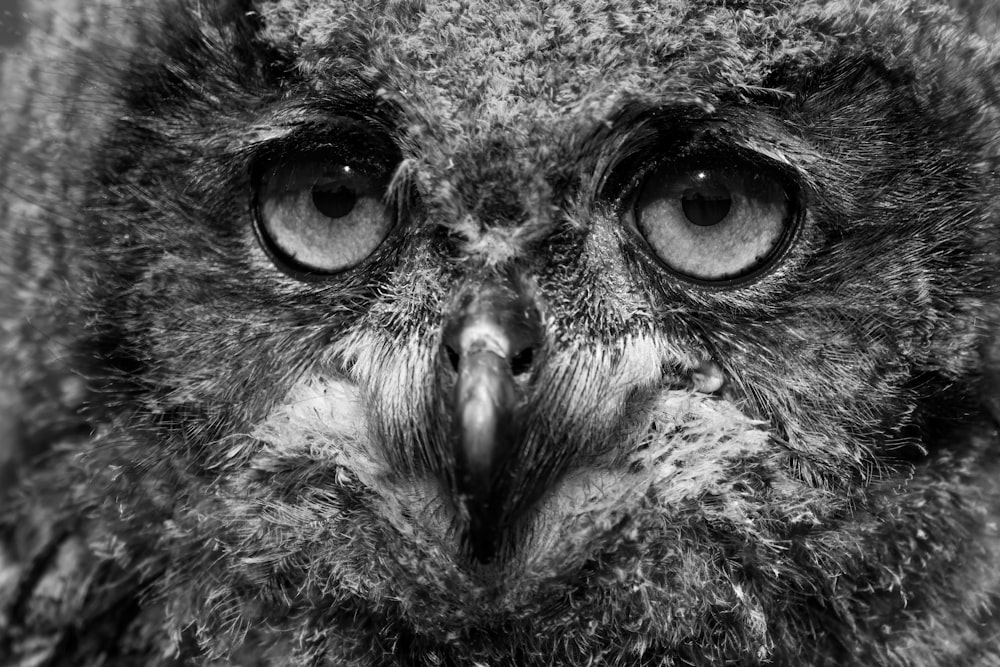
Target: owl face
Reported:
[(545, 332)]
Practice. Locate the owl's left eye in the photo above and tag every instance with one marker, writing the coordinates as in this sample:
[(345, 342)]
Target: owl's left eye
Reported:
[(322, 216), (714, 222)]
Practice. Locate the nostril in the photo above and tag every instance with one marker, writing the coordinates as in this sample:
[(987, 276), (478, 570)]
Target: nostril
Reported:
[(521, 363), (453, 357)]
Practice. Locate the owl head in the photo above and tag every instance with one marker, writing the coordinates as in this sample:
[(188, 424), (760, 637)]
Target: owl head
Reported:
[(546, 333)]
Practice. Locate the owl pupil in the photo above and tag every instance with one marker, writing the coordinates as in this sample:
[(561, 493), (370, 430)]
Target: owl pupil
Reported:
[(705, 210), (334, 203)]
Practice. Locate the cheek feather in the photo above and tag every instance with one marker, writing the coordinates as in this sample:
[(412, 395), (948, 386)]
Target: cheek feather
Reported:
[(688, 447), (321, 419)]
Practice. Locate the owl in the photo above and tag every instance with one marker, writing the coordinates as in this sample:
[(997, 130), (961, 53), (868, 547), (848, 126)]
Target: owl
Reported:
[(512, 332)]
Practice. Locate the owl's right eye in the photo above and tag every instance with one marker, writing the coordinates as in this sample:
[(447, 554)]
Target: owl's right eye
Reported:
[(322, 216), (715, 221)]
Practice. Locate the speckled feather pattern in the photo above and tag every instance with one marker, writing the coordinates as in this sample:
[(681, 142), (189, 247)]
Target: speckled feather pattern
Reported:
[(209, 461)]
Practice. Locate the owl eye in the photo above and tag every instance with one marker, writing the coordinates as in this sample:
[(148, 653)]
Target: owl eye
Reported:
[(322, 216), (714, 223)]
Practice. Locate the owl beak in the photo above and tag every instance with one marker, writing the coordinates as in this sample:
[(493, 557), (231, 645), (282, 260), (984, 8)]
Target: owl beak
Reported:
[(489, 339), (485, 405)]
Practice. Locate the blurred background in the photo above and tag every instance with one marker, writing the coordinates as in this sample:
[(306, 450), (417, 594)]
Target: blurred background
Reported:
[(12, 22)]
